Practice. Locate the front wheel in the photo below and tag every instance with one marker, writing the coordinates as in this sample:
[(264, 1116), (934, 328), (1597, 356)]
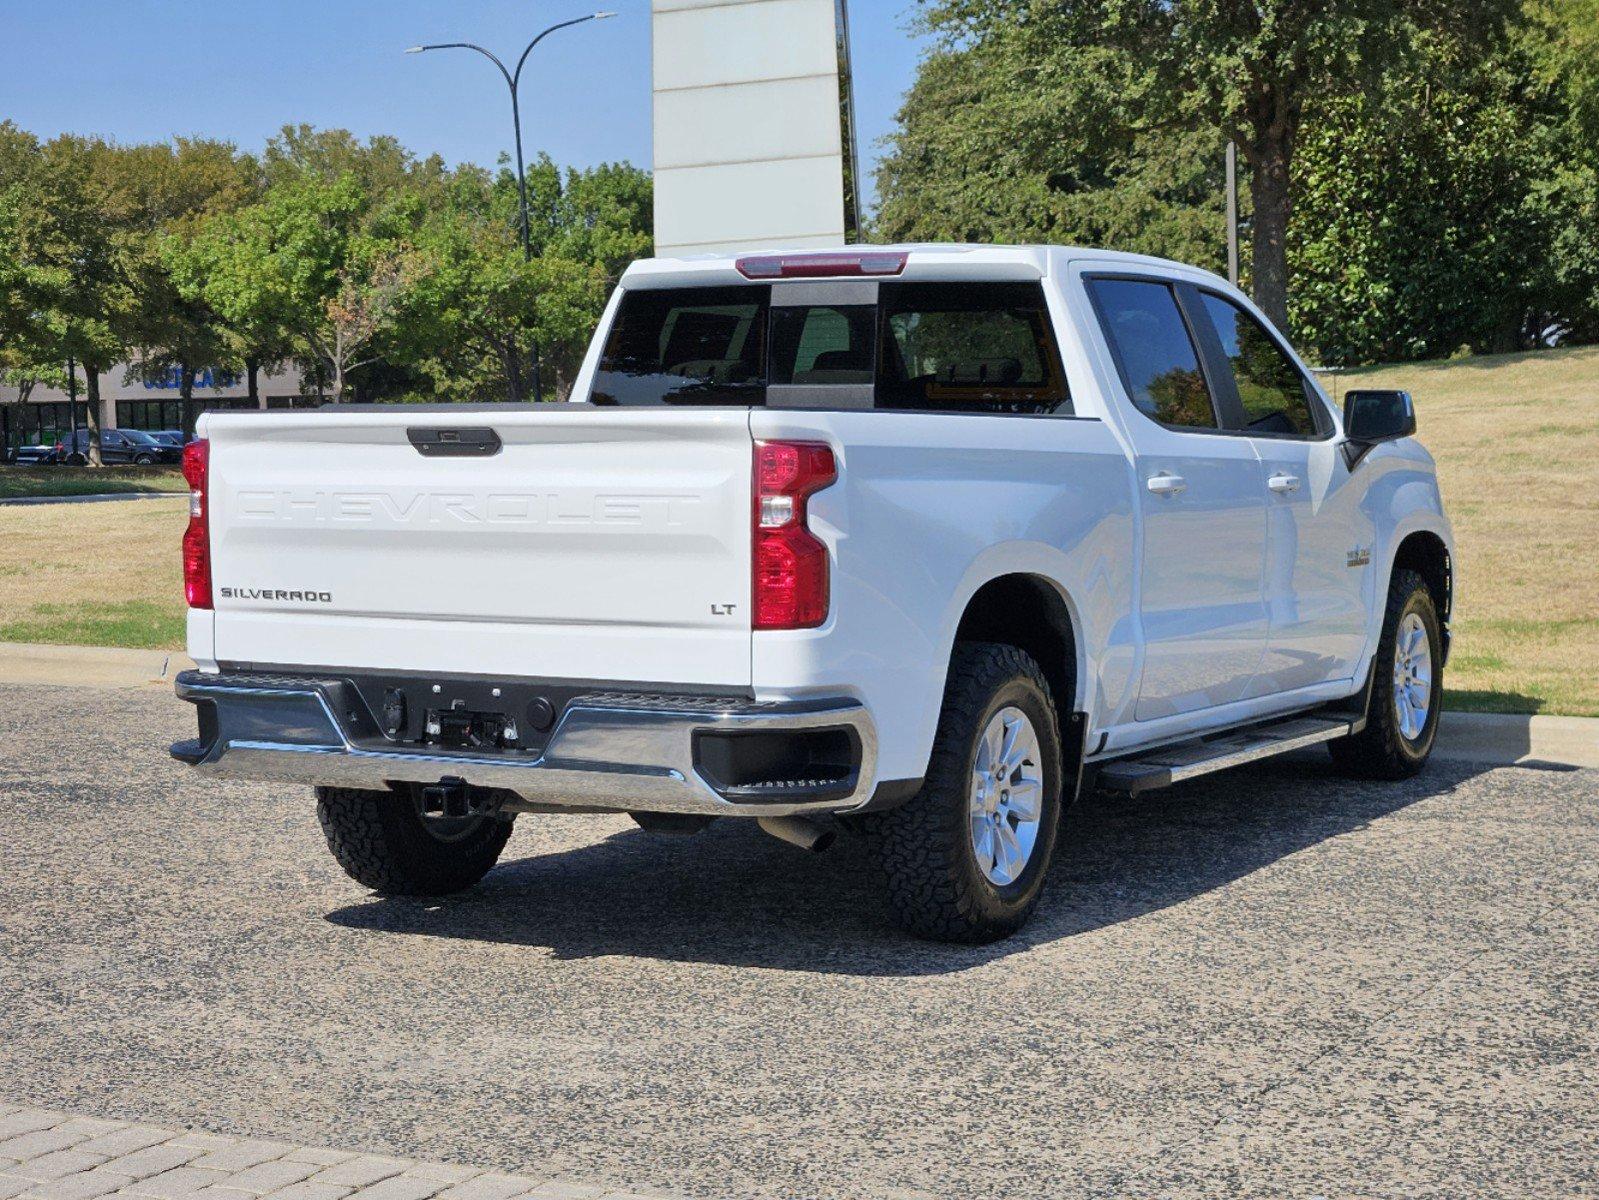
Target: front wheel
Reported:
[(1406, 691), (384, 842), (965, 859), (143, 460)]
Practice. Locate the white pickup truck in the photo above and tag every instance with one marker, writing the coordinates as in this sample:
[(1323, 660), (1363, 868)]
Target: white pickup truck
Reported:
[(915, 542)]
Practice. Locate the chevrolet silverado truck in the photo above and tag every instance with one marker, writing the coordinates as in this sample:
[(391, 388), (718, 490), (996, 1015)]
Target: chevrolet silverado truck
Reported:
[(914, 542)]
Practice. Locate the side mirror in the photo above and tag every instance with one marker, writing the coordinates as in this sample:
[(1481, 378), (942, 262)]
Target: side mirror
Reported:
[(1378, 416)]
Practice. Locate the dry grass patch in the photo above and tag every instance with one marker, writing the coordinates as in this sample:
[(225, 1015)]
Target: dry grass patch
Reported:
[(1516, 437), (105, 574)]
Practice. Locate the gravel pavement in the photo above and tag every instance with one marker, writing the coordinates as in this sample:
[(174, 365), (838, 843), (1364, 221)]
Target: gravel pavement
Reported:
[(1270, 983)]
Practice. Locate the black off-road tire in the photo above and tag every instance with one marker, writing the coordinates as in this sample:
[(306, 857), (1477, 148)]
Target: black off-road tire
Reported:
[(384, 843), (1381, 750), (924, 847)]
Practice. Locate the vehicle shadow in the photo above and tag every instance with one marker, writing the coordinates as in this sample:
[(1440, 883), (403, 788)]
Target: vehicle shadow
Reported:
[(1490, 700), (734, 896)]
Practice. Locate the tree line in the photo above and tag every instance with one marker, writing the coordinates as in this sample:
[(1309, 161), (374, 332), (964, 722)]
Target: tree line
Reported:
[(1418, 179), (378, 274)]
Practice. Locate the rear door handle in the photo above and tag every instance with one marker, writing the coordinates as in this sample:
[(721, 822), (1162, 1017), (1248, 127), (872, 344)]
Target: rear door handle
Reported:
[(1283, 483), (1167, 484)]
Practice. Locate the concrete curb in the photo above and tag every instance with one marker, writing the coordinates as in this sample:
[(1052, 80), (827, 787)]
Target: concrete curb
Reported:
[(89, 666), (1501, 739), (1509, 738), (96, 499)]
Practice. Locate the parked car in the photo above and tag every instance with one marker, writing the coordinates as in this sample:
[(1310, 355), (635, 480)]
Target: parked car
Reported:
[(32, 456), (911, 541), (174, 439), (117, 446)]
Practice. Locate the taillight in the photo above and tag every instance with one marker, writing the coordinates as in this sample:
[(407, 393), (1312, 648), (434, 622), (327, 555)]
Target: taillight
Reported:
[(197, 537), (791, 579), (822, 266)]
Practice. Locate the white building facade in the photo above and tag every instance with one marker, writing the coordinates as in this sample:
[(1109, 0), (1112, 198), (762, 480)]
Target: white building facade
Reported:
[(129, 402)]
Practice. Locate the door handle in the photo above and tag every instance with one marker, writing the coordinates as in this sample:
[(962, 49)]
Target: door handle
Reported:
[(1167, 484), (1283, 483)]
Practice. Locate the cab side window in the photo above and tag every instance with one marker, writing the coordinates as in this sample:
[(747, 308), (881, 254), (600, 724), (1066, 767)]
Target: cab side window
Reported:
[(1270, 387), (1155, 351)]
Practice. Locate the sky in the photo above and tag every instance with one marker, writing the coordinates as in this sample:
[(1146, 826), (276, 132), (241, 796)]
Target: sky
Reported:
[(143, 70)]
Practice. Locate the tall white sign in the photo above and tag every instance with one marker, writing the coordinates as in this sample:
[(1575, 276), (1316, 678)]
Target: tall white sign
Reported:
[(752, 130)]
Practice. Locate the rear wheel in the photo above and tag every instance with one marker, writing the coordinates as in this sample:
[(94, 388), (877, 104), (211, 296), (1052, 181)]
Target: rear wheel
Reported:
[(1406, 691), (144, 460), (966, 858), (383, 842)]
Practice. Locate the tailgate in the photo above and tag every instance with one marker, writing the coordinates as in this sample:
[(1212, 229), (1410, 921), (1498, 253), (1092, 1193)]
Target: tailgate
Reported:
[(607, 545)]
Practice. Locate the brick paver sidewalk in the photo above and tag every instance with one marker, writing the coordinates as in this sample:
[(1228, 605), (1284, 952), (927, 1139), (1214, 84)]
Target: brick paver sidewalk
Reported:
[(46, 1155)]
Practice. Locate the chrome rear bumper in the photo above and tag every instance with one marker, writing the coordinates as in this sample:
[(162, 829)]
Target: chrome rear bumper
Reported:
[(608, 751)]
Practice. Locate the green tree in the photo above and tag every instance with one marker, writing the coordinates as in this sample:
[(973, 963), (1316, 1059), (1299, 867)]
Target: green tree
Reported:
[(375, 271), (587, 227), (605, 217), (19, 289), (158, 194), (301, 269), (954, 173), (82, 305), (469, 321), (380, 166), (1562, 44), (1072, 94), (1563, 41), (1451, 206), (477, 306)]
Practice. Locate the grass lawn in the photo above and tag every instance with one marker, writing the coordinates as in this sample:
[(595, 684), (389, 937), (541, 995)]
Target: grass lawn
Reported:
[(17, 482), (93, 574), (1516, 438)]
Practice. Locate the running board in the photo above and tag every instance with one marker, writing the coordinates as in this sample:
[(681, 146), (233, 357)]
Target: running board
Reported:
[(1167, 765)]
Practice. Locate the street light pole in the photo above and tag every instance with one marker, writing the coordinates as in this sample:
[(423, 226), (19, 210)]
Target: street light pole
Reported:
[(513, 81), (1232, 212), (72, 404)]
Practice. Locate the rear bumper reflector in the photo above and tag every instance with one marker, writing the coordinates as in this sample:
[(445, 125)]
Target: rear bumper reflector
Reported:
[(611, 751)]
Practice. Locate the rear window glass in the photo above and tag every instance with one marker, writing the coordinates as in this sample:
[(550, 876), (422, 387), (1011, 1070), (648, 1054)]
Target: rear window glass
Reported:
[(701, 346), (949, 347)]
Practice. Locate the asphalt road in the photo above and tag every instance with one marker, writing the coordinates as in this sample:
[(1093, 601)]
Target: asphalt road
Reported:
[(1273, 983)]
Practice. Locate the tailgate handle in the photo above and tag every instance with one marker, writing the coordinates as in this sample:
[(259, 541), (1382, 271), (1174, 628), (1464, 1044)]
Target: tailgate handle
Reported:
[(471, 442)]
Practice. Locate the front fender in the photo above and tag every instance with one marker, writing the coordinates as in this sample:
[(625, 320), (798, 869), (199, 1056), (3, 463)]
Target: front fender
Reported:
[(1402, 498)]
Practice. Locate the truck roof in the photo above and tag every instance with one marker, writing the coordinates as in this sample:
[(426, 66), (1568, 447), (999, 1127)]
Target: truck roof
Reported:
[(923, 259)]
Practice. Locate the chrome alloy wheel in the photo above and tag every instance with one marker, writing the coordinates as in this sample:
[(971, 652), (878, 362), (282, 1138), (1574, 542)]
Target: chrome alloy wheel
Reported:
[(1006, 799), (1412, 676)]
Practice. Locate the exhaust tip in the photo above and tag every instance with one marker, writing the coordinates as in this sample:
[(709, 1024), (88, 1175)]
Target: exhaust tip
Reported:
[(799, 831)]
